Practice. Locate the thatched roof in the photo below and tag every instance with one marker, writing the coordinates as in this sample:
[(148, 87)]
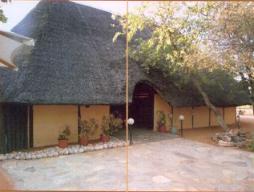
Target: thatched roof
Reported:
[(74, 61)]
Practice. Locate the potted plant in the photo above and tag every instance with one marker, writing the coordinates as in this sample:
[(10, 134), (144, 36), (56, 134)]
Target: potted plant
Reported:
[(104, 137), (161, 122), (110, 125), (83, 135), (88, 128), (63, 137)]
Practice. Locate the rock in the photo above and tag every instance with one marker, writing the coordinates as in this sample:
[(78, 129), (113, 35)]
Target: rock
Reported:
[(90, 147), (2, 157), (110, 145), (225, 143), (81, 150), (66, 152), (72, 149), (226, 138), (17, 157), (9, 156)]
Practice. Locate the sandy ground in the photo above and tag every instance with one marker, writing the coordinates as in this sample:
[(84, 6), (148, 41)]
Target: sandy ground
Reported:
[(204, 134)]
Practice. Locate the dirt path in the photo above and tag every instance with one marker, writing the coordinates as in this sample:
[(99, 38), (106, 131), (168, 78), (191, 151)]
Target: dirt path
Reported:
[(204, 134)]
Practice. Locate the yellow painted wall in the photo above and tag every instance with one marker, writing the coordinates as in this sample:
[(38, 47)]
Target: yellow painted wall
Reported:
[(50, 120), (201, 117), (187, 112), (213, 118), (161, 105), (97, 112), (230, 115)]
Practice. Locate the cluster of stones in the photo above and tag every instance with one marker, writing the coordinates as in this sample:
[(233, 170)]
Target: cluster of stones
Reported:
[(56, 151), (231, 139)]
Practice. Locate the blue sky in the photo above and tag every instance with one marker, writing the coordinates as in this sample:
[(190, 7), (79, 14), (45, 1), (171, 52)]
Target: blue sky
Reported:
[(17, 9)]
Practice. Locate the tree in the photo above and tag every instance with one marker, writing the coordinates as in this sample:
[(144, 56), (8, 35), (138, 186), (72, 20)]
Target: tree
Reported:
[(3, 19), (229, 32), (171, 44)]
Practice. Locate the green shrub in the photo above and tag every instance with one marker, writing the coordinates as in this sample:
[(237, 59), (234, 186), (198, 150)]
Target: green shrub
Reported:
[(251, 145)]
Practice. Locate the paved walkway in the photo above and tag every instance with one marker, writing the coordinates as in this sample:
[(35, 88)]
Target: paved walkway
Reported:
[(142, 135), (170, 164)]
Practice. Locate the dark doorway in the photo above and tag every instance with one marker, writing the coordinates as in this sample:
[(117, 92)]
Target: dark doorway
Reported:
[(142, 105), (118, 111), (15, 127)]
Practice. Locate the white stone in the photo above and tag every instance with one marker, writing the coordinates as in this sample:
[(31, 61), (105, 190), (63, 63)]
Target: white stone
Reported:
[(17, 157), (81, 150), (225, 143), (105, 145), (2, 157)]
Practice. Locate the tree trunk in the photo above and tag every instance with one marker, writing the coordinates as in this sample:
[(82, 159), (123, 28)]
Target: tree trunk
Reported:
[(249, 83), (208, 103)]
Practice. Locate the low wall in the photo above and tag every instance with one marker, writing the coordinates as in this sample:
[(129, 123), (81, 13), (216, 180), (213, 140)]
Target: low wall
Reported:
[(97, 112), (195, 117), (50, 120), (161, 105)]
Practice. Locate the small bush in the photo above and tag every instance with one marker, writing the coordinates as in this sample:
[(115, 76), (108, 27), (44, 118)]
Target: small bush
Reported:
[(251, 145)]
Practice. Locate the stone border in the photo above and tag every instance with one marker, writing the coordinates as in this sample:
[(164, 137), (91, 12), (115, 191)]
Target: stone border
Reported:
[(56, 151)]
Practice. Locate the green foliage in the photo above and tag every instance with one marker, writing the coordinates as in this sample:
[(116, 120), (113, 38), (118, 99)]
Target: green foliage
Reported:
[(111, 124), (187, 44), (228, 30), (64, 134), (251, 145), (88, 127), (3, 19), (161, 119)]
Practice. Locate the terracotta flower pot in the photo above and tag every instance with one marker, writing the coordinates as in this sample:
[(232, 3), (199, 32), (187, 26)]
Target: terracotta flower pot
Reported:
[(63, 143), (162, 129), (104, 138), (83, 140)]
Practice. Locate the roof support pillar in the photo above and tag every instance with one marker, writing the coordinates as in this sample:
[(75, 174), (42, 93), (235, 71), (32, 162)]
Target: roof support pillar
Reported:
[(30, 126), (172, 117), (79, 120), (209, 120), (223, 113), (192, 117)]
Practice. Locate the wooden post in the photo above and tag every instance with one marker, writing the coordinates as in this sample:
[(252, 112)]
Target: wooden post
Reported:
[(2, 132), (192, 117), (30, 128), (209, 121), (172, 119), (79, 119)]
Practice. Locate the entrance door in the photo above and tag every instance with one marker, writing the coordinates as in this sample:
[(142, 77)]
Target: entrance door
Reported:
[(142, 106), (15, 123)]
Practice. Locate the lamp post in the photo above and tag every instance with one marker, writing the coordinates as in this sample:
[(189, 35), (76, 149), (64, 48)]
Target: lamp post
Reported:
[(238, 122), (170, 116), (130, 122), (181, 118)]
